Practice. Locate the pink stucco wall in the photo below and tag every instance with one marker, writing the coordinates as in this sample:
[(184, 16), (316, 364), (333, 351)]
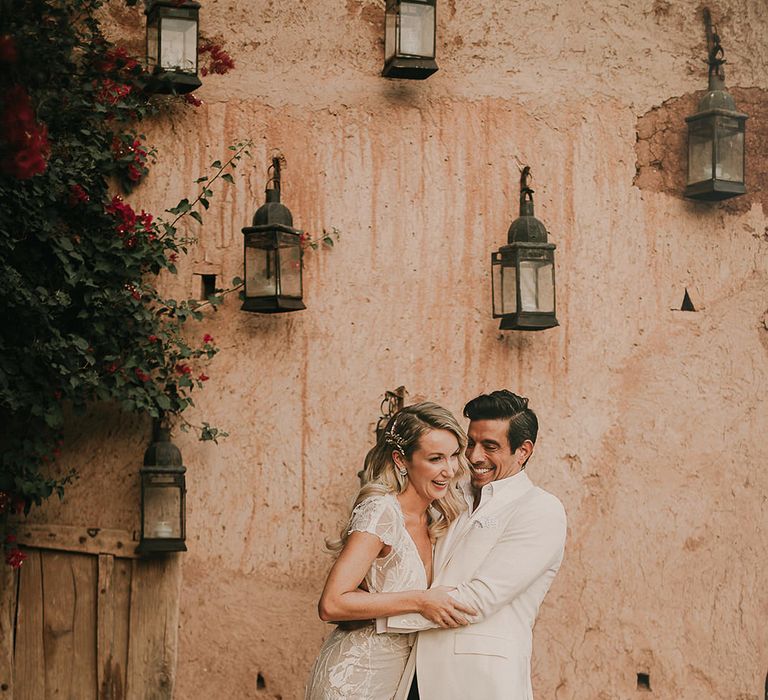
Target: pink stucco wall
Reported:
[(652, 419)]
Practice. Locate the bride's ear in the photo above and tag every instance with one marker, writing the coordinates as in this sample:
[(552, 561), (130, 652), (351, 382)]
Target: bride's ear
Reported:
[(397, 458)]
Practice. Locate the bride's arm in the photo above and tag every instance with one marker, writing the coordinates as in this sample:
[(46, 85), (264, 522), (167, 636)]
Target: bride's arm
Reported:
[(343, 600)]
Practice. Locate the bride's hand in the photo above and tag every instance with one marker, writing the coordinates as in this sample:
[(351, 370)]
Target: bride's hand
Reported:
[(443, 609)]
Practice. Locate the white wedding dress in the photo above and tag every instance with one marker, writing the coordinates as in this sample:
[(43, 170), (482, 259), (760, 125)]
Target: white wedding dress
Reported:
[(361, 664)]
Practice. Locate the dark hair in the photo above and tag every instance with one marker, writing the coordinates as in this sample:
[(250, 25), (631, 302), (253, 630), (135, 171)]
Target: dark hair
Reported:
[(503, 404)]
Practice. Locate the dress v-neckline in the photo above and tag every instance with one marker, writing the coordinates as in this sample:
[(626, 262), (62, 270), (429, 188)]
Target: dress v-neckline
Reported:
[(415, 546)]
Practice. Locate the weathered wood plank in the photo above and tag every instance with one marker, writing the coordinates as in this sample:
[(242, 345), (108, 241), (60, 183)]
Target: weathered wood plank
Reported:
[(122, 596), (69, 634), (113, 620), (106, 624), (29, 656), (85, 540), (8, 588), (154, 627)]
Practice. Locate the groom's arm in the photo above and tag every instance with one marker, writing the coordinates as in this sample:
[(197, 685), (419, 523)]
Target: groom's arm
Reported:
[(531, 543)]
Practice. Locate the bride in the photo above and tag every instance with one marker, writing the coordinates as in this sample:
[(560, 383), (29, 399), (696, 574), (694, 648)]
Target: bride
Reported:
[(407, 501)]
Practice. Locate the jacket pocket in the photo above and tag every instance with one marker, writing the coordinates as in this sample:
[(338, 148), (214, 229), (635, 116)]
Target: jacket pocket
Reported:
[(486, 644)]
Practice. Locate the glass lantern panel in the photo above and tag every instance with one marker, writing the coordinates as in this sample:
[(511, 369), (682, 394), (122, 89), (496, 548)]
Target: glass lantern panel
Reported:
[(537, 286), (162, 507), (290, 266), (699, 151), (178, 44), (152, 45), (504, 286), (260, 271), (730, 150), (417, 29), (390, 30)]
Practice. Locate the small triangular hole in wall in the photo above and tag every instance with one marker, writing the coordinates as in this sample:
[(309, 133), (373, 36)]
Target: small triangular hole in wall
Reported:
[(687, 304)]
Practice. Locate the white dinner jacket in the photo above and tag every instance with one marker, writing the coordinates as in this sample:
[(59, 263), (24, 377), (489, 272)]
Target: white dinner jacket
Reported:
[(501, 558)]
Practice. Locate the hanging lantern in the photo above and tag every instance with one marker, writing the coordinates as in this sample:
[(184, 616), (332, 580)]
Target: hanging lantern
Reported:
[(715, 136), (273, 256), (523, 271), (172, 37), (409, 39), (163, 497)]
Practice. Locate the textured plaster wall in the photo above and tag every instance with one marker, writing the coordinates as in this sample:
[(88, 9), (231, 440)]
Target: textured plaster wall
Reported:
[(653, 419)]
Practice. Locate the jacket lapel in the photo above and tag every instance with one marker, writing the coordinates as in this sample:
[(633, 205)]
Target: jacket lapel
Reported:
[(520, 485)]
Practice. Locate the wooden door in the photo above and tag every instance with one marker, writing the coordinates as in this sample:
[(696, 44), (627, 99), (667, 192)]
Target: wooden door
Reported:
[(84, 618)]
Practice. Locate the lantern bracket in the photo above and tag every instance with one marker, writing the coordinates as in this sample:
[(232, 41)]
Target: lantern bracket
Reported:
[(715, 51)]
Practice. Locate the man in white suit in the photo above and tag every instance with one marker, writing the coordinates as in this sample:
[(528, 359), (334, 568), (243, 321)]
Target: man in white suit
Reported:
[(500, 556)]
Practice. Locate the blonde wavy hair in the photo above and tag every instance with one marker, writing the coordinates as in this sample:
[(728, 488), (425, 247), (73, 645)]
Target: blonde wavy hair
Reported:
[(402, 434)]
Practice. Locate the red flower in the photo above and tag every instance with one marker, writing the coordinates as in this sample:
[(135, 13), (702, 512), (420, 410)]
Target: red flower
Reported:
[(125, 214), (111, 93), (153, 338), (207, 338), (26, 140), (77, 195), (220, 62), (203, 377), (15, 558), (112, 367), (134, 174), (173, 257), (117, 58), (141, 376), (183, 369), (191, 99), (8, 53), (146, 220), (130, 242)]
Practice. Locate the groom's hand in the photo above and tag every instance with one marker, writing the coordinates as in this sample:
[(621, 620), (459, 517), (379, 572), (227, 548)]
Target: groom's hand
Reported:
[(443, 609)]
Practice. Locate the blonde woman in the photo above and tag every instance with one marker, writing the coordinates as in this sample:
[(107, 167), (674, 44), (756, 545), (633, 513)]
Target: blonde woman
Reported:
[(407, 501)]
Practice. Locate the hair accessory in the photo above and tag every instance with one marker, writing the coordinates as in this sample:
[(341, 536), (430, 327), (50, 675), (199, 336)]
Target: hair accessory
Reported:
[(393, 439)]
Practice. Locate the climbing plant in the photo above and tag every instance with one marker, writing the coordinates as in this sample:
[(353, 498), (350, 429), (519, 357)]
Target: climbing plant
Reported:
[(83, 320)]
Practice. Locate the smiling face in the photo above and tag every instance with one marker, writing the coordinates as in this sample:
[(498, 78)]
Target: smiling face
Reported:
[(489, 453), (432, 465)]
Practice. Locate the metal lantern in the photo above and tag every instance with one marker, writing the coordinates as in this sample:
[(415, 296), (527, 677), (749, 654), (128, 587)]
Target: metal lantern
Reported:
[(409, 39), (273, 256), (163, 497), (172, 37), (523, 271), (716, 137)]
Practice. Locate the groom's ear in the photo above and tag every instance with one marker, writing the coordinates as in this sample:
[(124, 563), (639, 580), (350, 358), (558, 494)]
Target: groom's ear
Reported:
[(524, 451)]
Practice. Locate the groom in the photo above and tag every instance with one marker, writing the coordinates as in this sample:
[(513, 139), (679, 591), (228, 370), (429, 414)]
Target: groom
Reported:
[(500, 555)]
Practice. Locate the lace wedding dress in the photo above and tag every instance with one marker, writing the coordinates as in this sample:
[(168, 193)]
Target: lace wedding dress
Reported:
[(361, 664)]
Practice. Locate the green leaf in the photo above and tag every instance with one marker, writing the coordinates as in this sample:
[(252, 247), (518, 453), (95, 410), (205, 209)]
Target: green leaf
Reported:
[(196, 216), (216, 164), (228, 178)]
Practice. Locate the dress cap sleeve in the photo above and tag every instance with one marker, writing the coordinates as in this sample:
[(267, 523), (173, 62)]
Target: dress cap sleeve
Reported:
[(377, 515)]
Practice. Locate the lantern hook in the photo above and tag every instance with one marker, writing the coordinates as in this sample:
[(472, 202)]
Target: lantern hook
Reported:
[(273, 173), (526, 193), (715, 51)]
